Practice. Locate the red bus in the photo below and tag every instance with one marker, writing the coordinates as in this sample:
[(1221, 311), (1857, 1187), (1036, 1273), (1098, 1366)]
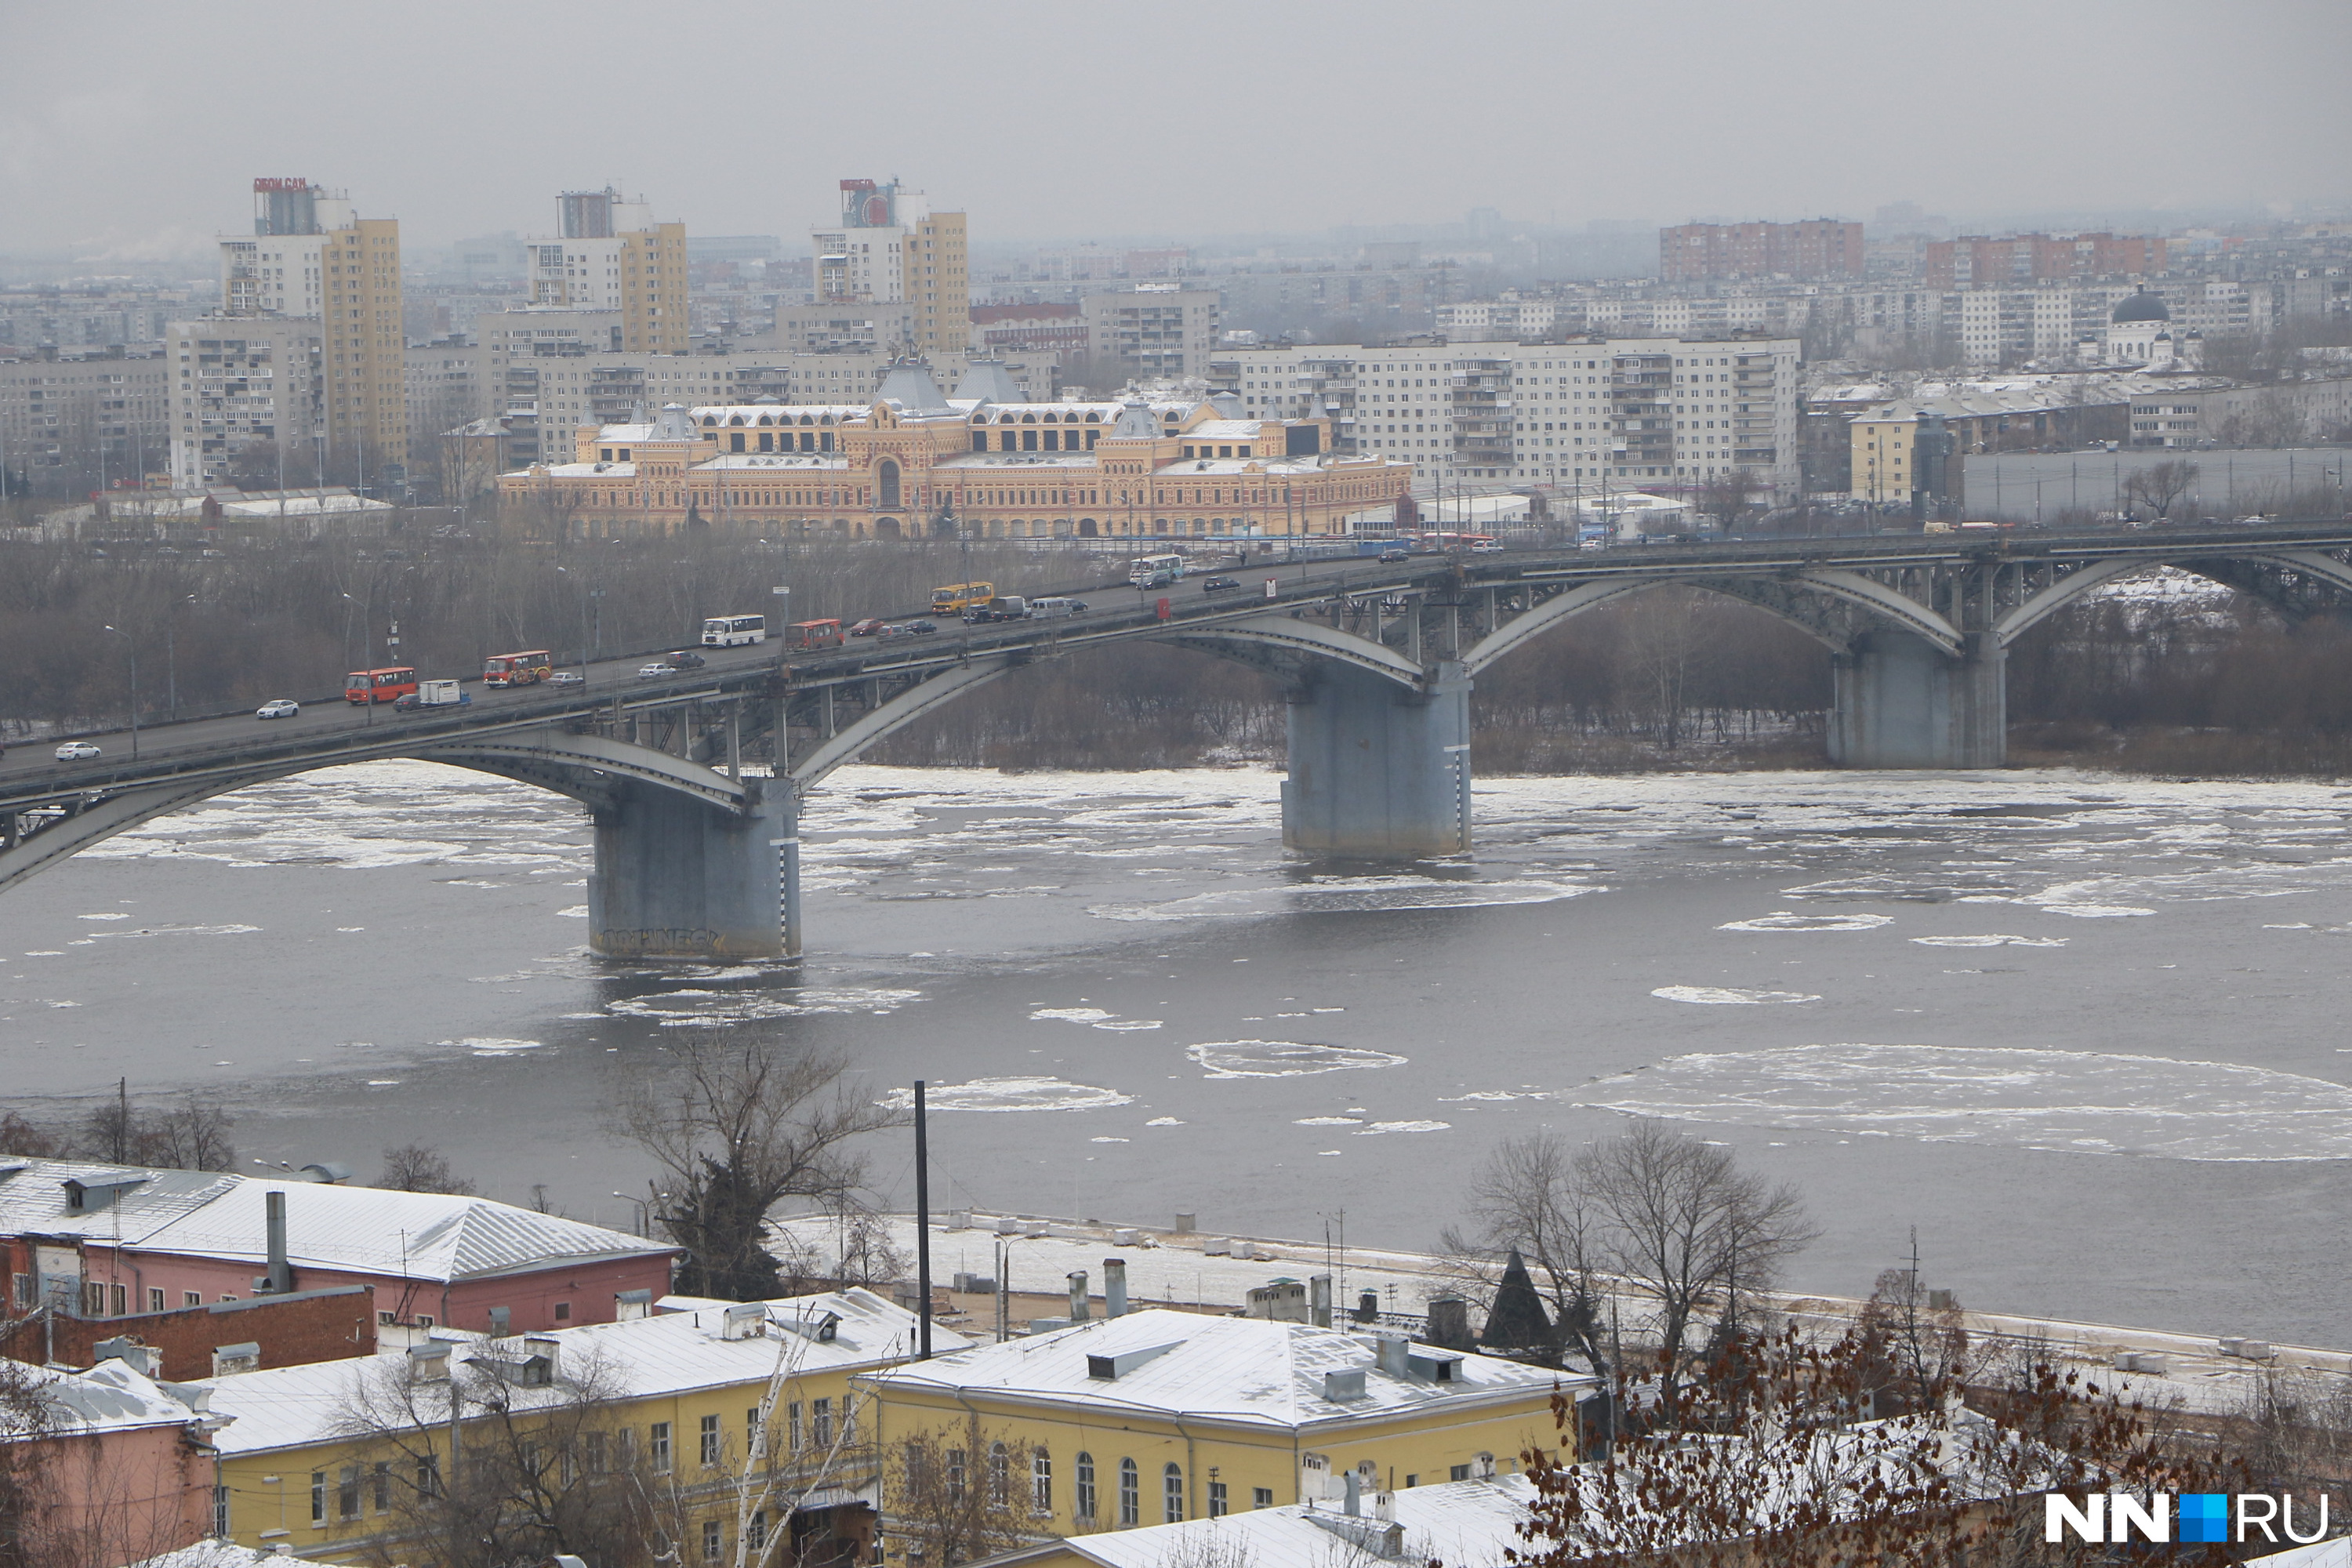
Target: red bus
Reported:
[(379, 685), (807, 636), (518, 668)]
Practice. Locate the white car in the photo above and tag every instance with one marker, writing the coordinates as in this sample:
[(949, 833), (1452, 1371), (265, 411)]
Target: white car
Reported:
[(282, 707), (76, 750), (567, 678), (654, 671)]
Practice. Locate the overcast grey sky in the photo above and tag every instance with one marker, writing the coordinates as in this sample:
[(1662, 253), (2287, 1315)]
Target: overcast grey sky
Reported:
[(136, 127)]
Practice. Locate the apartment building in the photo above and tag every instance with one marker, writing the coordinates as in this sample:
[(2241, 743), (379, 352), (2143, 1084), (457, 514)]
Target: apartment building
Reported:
[(891, 248), (612, 256), (77, 318), (311, 256), (1984, 259), (1591, 411), (1029, 328), (238, 382), (1161, 330), (447, 385), (82, 420), (1706, 252)]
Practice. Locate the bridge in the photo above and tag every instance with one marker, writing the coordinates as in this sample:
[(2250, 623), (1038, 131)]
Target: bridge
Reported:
[(693, 780)]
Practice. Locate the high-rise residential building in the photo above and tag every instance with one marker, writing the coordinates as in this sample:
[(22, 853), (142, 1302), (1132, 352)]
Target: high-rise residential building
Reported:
[(1977, 260), (891, 248), (245, 382), (613, 255), (77, 421), (1584, 413), (311, 255), (1706, 252), (1153, 329)]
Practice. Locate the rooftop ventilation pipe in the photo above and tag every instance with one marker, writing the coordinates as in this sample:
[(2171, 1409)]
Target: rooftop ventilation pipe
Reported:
[(1318, 1300), (1114, 1287), (281, 1272), (1078, 1312)]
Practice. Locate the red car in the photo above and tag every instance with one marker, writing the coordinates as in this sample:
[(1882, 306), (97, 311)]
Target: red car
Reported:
[(867, 627)]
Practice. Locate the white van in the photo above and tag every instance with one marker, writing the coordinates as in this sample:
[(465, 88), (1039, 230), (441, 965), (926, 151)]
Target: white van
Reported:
[(1053, 609)]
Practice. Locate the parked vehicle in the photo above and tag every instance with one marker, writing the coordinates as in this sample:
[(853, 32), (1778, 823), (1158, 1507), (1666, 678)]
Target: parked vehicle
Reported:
[(734, 631), (434, 694), (808, 636), (655, 670), (282, 707), (373, 686), (1220, 584), (869, 627), (687, 659), (960, 598), (518, 668), (76, 751)]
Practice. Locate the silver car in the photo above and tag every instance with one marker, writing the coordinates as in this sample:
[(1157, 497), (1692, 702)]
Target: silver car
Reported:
[(76, 750), (282, 707), (654, 671)]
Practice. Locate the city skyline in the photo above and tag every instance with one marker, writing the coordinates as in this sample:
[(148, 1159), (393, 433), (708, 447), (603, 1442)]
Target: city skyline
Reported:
[(2105, 110)]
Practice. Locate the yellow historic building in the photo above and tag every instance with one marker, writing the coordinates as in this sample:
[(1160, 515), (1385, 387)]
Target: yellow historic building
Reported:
[(1157, 1415), (914, 463), (340, 1460)]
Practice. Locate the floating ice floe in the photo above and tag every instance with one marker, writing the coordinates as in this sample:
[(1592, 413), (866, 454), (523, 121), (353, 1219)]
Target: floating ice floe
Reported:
[(1163, 1121), (1377, 1127), (1283, 1058), (1788, 919), (1348, 895), (1072, 1015), (1990, 941), (1009, 1094), (487, 1045), (108, 916), (2067, 1101), (177, 930), (1328, 1121), (1728, 997), (695, 1006)]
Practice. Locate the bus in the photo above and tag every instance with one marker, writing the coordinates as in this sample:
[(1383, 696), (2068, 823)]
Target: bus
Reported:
[(734, 631), (1155, 570), (518, 668), (806, 637), (374, 686), (955, 600)]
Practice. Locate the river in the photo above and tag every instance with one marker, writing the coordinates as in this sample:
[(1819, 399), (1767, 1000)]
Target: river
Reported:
[(2086, 1034)]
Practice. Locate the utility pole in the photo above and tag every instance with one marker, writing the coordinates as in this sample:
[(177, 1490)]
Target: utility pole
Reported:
[(133, 644)]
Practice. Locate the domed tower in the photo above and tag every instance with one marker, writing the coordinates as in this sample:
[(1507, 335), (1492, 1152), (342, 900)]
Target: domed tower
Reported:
[(2139, 332)]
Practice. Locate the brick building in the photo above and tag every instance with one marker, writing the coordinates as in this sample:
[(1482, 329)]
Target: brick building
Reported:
[(190, 1342), (1710, 252), (1975, 260)]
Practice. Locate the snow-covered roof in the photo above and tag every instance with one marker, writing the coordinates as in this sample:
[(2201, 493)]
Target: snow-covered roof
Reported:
[(783, 463), (214, 1552), (671, 1352), (1048, 413), (1229, 429), (1247, 1370), (112, 1397), (1464, 1524), (410, 1236)]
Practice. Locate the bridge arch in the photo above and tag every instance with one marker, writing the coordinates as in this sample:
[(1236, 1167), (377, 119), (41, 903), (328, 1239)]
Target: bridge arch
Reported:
[(2283, 579)]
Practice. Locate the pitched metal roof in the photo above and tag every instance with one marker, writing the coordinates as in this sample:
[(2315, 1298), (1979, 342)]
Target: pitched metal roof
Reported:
[(112, 1397), (409, 1236), (1245, 1369), (1464, 1524)]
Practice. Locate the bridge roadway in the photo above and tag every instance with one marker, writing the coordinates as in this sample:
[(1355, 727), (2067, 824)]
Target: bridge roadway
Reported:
[(696, 842)]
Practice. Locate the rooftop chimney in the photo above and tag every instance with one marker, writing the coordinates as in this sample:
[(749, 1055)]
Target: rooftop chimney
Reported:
[(1078, 1312), (1449, 1322), (281, 1272), (1318, 1300), (1114, 1287), (1367, 1307)]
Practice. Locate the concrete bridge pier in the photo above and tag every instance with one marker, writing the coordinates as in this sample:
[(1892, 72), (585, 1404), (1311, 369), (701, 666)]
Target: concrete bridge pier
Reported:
[(1378, 771), (1900, 701), (682, 879)]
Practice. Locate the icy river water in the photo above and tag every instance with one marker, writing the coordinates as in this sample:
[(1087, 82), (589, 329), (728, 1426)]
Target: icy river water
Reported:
[(2087, 1034)]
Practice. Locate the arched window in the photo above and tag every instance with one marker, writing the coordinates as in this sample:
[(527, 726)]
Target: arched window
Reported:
[(1041, 1482), (1083, 1505), (1130, 1494), (889, 485), (1000, 1476), (1172, 1492)]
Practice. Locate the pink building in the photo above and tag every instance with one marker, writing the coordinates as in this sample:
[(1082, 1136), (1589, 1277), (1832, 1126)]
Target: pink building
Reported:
[(116, 1468), (104, 1241)]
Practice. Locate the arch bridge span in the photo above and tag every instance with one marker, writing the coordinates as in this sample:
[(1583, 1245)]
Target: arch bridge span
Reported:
[(692, 778)]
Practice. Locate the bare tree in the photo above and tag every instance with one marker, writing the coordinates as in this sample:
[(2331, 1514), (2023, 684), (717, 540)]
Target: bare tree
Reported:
[(1688, 1228), (421, 1168), (1914, 1335), (2159, 485), (958, 1494), (1530, 1196), (192, 1135), (736, 1129)]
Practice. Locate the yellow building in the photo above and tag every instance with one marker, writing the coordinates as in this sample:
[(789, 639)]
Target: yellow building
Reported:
[(913, 463), (340, 1461), (1883, 454), (1159, 1415), (891, 248), (365, 355)]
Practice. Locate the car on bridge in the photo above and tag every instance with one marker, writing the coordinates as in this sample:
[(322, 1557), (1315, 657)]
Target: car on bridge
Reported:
[(655, 670), (76, 751), (686, 659), (1218, 585), (1396, 552), (282, 707), (869, 627), (567, 678)]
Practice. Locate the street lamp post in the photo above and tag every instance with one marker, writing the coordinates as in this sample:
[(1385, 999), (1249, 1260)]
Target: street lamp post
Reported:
[(133, 644)]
